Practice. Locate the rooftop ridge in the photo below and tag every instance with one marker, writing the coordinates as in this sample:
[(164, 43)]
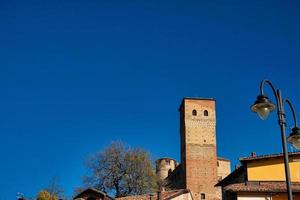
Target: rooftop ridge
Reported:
[(267, 156)]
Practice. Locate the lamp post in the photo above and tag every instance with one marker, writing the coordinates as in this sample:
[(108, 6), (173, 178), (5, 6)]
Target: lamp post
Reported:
[(263, 106)]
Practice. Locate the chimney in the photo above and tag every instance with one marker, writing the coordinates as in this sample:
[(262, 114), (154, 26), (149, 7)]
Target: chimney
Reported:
[(253, 154), (159, 195), (151, 197)]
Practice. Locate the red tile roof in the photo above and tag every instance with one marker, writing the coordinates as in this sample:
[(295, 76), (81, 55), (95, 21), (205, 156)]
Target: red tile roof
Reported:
[(165, 195), (94, 191), (243, 159), (259, 186)]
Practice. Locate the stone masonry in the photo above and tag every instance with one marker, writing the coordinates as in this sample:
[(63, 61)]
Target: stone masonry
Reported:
[(200, 168), (198, 153)]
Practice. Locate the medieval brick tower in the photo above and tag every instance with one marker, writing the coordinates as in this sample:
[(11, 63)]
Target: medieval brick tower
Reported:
[(198, 147)]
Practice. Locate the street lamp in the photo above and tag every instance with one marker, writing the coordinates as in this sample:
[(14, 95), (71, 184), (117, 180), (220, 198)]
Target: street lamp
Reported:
[(263, 106)]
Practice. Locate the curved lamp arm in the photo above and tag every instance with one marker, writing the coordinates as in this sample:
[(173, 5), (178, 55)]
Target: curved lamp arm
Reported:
[(273, 89), (293, 111), (262, 103)]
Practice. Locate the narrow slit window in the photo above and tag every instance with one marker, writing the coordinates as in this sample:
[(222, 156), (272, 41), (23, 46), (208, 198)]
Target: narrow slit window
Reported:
[(194, 112), (205, 113), (202, 196)]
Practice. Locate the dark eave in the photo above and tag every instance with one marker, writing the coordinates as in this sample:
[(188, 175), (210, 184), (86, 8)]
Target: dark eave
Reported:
[(233, 175)]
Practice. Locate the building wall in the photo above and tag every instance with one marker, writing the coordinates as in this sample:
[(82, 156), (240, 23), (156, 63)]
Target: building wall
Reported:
[(223, 170), (175, 180), (254, 197), (186, 196), (283, 196), (278, 196), (273, 169), (198, 147)]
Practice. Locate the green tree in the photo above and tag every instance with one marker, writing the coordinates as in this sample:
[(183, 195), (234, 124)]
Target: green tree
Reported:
[(121, 170)]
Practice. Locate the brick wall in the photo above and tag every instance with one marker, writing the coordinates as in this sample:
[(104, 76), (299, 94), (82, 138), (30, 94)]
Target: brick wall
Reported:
[(198, 146)]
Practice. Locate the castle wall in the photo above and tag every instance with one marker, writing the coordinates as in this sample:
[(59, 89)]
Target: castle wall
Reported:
[(164, 167), (175, 179), (223, 170)]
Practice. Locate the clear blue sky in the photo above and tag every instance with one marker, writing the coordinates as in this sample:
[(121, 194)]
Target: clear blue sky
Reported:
[(75, 75)]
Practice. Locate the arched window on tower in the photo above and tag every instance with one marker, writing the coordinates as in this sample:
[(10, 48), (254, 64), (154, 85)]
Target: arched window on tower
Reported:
[(205, 113), (194, 112)]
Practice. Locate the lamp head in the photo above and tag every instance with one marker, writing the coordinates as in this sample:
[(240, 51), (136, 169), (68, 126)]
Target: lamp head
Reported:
[(294, 137), (263, 106)]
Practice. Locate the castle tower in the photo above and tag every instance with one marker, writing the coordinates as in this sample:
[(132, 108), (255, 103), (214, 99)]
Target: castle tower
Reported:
[(198, 146), (164, 167)]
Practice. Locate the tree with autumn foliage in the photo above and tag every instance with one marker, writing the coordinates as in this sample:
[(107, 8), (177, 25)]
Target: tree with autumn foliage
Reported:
[(45, 195), (121, 170)]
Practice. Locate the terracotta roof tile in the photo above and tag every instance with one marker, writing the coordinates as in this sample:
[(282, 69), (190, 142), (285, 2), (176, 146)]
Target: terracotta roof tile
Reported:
[(153, 196), (257, 186), (92, 190)]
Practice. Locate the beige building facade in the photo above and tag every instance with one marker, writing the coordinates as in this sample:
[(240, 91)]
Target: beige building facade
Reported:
[(262, 177)]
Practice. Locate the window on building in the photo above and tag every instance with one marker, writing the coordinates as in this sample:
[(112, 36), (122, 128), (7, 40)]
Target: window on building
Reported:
[(202, 196), (91, 198), (218, 163), (194, 112), (205, 113), (169, 172)]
